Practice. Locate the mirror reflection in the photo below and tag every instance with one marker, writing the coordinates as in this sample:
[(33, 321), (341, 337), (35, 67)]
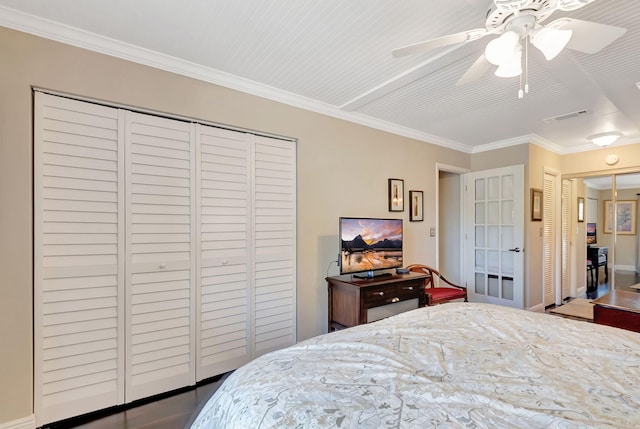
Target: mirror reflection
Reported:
[(610, 234)]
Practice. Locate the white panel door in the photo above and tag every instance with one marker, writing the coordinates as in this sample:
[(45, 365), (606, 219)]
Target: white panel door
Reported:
[(275, 244), (160, 281), (224, 240), (494, 236), (78, 263)]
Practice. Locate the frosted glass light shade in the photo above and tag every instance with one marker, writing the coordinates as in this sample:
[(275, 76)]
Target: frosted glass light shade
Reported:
[(512, 66), (550, 41), (502, 48), (605, 139)]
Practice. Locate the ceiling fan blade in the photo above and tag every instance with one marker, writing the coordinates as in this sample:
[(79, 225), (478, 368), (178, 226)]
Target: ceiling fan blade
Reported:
[(451, 39), (569, 5), (588, 37), (475, 72)]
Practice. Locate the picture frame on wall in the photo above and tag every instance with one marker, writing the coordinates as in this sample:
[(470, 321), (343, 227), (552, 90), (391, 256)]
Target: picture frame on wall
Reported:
[(536, 204), (396, 195), (624, 217), (416, 206), (580, 209)]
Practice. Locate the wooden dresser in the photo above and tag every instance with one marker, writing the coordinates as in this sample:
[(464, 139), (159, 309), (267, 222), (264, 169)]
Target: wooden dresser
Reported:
[(618, 308), (354, 301)]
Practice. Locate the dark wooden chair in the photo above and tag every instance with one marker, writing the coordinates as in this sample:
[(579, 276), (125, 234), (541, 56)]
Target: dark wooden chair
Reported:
[(435, 290), (591, 269)]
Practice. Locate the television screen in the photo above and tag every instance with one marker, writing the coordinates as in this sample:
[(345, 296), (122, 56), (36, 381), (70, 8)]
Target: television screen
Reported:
[(591, 233), (368, 245)]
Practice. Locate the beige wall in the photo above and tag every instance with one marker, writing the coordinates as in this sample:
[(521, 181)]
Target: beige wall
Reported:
[(593, 163), (342, 171), (449, 228)]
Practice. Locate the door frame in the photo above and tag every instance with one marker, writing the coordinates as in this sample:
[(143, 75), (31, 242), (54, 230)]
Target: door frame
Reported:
[(440, 167)]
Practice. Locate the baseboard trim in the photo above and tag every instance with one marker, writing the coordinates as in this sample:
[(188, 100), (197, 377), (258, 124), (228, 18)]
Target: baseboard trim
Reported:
[(537, 308), (23, 423)]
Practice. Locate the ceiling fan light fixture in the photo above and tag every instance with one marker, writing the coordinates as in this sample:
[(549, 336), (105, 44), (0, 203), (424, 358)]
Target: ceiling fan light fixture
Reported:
[(550, 41), (605, 139), (513, 66), (502, 48)]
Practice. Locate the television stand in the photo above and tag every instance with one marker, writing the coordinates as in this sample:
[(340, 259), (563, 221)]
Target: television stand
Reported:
[(371, 275), (354, 301)]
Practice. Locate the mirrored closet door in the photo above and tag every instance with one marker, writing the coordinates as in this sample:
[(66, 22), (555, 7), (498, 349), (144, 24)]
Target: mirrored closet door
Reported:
[(606, 234)]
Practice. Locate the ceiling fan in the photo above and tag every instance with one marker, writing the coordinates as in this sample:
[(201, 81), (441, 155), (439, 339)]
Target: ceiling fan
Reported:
[(521, 20)]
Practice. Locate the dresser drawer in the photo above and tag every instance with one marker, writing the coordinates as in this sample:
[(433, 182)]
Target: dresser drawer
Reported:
[(380, 295), (409, 290)]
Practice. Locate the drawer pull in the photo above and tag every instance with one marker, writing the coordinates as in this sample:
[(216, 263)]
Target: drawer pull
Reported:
[(408, 288), (396, 299), (380, 293)]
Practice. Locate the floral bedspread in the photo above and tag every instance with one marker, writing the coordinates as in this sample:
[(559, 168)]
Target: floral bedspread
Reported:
[(456, 365)]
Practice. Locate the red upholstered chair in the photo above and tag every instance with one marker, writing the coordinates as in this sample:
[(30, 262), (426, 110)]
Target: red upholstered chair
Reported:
[(437, 288)]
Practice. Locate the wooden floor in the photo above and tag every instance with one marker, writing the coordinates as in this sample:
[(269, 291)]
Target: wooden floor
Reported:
[(172, 412), (624, 279)]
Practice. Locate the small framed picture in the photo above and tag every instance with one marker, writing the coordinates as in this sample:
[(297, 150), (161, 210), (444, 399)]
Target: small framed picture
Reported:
[(396, 195), (536, 204), (580, 209), (623, 219), (416, 205)]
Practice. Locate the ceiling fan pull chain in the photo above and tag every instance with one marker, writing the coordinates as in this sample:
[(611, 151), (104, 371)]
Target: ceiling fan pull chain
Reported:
[(520, 93), (526, 63)]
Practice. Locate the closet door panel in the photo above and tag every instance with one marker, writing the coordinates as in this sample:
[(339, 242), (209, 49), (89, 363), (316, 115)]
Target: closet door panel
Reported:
[(78, 267), (275, 244), (224, 241), (160, 263)]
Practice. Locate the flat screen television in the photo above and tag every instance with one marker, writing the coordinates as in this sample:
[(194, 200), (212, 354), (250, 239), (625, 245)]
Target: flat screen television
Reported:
[(591, 233), (370, 245)]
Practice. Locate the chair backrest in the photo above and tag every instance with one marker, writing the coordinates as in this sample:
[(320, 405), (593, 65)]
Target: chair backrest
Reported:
[(434, 275), (424, 269), (435, 293)]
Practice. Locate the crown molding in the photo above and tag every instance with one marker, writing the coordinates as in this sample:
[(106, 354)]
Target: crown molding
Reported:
[(503, 143), (73, 36), (52, 30)]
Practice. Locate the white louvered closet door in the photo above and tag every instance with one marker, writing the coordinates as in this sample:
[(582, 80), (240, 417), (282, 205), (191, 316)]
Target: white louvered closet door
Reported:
[(78, 258), (549, 268), (275, 244), (160, 251), (224, 219), (164, 253)]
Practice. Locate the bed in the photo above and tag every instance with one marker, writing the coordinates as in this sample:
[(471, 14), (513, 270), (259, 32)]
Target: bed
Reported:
[(456, 365)]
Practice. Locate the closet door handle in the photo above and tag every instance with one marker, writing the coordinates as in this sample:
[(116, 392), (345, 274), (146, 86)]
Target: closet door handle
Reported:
[(516, 249)]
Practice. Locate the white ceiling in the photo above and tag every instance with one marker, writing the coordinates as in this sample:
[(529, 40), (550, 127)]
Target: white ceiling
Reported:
[(334, 57)]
